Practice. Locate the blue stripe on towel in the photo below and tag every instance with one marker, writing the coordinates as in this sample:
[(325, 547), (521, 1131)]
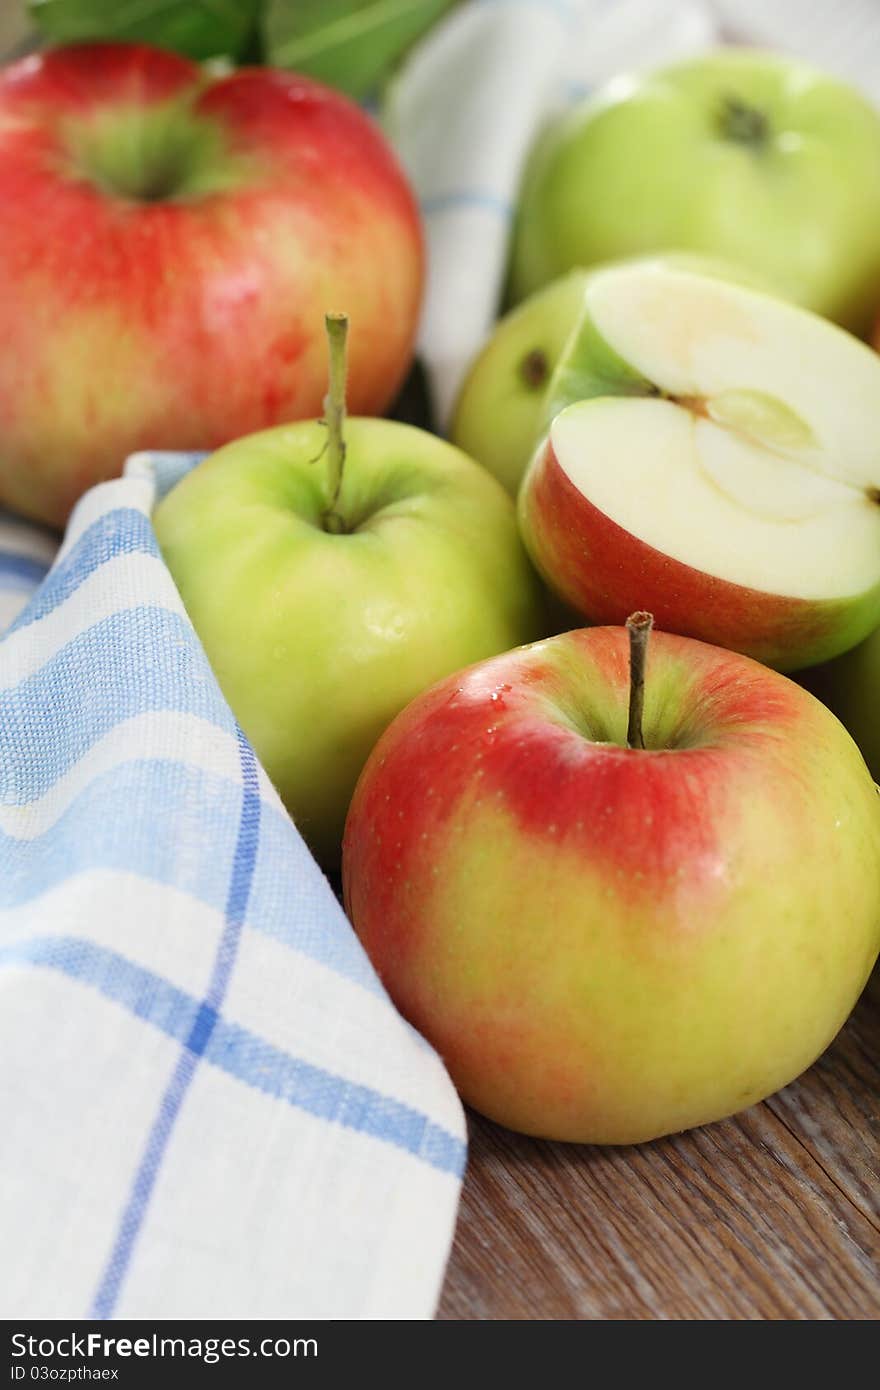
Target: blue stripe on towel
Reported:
[(202, 1026), (133, 662), (124, 531), (101, 829), (21, 572), (241, 1053), (454, 201)]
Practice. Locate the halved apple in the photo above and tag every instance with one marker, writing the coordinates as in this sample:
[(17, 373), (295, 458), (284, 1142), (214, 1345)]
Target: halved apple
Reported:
[(503, 400), (720, 467)]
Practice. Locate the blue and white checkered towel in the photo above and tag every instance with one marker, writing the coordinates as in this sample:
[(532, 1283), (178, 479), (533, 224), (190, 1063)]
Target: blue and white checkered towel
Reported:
[(210, 1108)]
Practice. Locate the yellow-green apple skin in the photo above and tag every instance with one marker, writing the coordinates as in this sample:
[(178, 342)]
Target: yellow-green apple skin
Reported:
[(753, 157), (606, 944), (850, 686), (498, 413), (712, 457), (170, 240), (318, 640)]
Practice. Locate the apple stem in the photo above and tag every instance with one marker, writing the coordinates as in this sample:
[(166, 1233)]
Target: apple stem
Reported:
[(638, 625), (334, 418), (743, 123)]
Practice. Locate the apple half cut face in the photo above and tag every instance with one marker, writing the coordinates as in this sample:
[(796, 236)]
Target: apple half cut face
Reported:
[(720, 467)]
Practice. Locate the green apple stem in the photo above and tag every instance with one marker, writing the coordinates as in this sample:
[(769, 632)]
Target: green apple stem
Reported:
[(743, 123), (334, 418), (638, 625)]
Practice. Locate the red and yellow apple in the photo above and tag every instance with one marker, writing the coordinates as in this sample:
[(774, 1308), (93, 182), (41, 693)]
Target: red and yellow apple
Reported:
[(605, 942), (719, 466), (169, 243)]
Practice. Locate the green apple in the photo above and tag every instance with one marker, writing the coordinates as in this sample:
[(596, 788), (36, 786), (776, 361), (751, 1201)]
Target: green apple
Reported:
[(720, 466), (755, 158), (326, 597), (502, 408), (850, 686), (613, 927)]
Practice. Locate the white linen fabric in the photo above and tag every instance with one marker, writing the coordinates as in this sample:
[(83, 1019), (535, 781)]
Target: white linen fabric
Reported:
[(210, 1107)]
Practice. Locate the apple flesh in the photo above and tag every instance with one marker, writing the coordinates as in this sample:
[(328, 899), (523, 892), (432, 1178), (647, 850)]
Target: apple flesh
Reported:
[(501, 411), (169, 244), (721, 468), (752, 157), (320, 634), (608, 944)]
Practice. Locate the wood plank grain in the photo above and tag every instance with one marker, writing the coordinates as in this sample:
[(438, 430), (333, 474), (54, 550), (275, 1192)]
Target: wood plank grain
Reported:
[(774, 1214)]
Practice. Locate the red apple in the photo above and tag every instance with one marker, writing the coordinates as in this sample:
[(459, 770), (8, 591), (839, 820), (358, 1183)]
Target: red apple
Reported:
[(608, 941), (169, 244)]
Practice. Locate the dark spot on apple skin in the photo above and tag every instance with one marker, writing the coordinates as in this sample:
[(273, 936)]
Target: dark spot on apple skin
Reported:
[(534, 369), (874, 495)]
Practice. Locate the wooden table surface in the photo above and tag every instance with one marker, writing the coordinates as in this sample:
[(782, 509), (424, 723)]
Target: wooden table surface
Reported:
[(774, 1214)]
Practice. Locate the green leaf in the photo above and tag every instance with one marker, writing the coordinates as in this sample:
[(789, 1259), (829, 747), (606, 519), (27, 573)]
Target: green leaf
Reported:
[(197, 28), (350, 44)]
